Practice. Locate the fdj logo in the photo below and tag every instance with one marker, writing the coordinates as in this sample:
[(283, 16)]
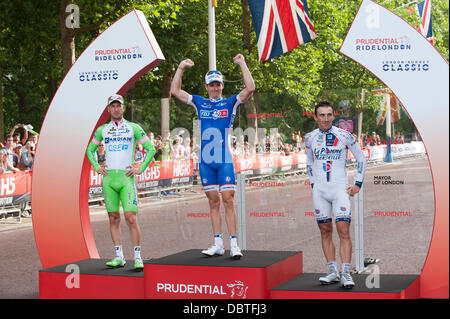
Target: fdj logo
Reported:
[(331, 140), (213, 114)]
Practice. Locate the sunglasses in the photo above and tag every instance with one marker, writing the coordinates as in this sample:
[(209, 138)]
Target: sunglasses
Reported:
[(213, 72)]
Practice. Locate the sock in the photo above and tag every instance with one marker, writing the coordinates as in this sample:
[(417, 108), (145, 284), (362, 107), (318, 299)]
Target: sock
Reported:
[(233, 240), (346, 268), (332, 266), (137, 252), (218, 240), (119, 252)]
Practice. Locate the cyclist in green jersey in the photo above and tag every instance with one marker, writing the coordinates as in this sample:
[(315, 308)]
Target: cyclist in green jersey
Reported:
[(120, 137)]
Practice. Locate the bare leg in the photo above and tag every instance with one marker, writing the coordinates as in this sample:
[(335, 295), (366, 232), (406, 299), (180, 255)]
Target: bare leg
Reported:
[(230, 211), (345, 249), (214, 208), (326, 232), (114, 227), (135, 232)]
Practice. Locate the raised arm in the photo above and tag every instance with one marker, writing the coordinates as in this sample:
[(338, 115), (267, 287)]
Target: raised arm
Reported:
[(175, 87), (247, 92)]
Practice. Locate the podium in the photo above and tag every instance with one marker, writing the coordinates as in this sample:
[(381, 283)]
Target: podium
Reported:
[(191, 275), (307, 286)]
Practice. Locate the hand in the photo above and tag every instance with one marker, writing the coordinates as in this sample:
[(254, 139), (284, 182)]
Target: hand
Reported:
[(238, 59), (133, 171), (188, 63), (102, 171), (352, 190)]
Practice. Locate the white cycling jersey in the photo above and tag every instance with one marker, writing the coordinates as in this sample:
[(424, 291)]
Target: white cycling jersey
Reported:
[(326, 156), (120, 144)]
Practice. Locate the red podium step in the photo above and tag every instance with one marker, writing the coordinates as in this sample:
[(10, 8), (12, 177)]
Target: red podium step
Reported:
[(95, 281), (190, 275), (307, 286)]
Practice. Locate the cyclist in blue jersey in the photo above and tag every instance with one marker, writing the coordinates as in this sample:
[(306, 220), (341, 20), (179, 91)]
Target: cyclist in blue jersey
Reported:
[(216, 115)]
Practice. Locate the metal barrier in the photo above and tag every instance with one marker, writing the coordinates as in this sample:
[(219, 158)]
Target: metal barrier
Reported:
[(21, 206)]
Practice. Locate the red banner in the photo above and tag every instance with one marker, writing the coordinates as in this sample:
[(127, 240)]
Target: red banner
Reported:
[(14, 185)]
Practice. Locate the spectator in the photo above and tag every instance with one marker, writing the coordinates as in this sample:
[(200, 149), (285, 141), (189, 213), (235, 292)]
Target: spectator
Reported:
[(101, 154), (34, 138), (177, 148), (157, 145), (162, 148), (186, 149), (17, 157), (246, 149), (2, 163), (28, 155), (16, 137), (287, 148), (151, 137), (378, 140), (372, 140), (234, 147), (166, 148), (399, 139), (8, 151), (138, 153), (195, 148)]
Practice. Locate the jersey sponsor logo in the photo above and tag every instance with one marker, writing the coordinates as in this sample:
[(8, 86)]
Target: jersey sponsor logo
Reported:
[(326, 153), (118, 140), (213, 114), (123, 130), (332, 140), (327, 166), (117, 147)]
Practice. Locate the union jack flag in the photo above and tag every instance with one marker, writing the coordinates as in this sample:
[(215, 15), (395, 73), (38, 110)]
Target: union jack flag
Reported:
[(426, 27), (280, 26)]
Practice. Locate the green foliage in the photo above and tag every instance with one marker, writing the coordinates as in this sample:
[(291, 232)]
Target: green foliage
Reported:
[(31, 67)]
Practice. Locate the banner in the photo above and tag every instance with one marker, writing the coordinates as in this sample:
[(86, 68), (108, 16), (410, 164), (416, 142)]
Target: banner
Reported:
[(111, 64), (418, 75), (13, 186)]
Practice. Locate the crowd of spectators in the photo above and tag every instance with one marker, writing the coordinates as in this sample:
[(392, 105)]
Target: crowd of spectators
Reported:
[(17, 151), (185, 148), (274, 143)]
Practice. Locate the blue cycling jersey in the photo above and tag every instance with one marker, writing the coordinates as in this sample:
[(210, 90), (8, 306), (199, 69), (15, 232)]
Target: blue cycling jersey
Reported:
[(216, 118)]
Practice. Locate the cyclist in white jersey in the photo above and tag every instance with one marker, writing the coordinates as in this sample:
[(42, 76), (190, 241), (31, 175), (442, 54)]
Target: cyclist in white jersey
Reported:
[(326, 151)]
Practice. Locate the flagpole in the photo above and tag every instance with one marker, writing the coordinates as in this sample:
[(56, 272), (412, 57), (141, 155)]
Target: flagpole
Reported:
[(388, 129), (212, 35)]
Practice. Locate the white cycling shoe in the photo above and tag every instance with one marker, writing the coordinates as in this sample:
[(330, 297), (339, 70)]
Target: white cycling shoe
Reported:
[(214, 250), (347, 281), (235, 252), (330, 278)]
